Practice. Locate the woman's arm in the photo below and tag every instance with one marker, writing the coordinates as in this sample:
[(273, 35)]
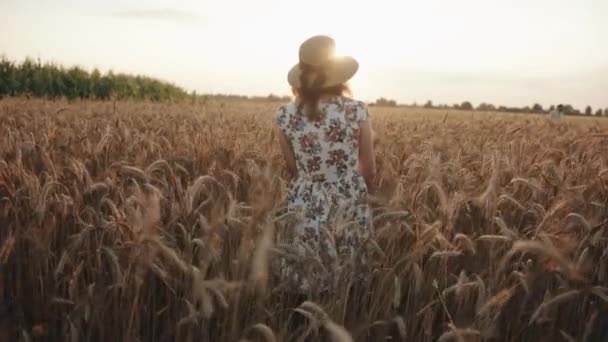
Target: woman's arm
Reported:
[(367, 162), (287, 152)]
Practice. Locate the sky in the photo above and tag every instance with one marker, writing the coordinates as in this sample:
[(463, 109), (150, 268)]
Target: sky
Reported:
[(509, 52)]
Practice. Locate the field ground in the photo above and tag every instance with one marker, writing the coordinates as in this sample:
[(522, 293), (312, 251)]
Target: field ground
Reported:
[(154, 222)]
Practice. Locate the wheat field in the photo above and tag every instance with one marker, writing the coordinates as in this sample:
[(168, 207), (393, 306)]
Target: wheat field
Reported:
[(134, 221)]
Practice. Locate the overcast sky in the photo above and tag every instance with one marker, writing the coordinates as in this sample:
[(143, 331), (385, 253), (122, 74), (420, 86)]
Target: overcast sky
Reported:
[(511, 52)]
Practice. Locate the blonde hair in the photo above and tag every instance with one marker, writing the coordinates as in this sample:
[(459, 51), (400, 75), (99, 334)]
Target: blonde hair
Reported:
[(309, 97)]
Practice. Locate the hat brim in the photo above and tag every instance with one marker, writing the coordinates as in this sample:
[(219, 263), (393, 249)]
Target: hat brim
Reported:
[(340, 70)]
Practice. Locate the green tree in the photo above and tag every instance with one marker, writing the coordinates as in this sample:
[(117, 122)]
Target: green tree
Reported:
[(25, 75), (386, 102), (6, 74), (81, 82), (487, 107), (38, 84), (95, 79), (466, 105), (588, 110), (53, 81), (569, 110), (537, 108)]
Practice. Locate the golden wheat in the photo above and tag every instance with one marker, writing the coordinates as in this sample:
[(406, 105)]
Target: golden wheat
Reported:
[(134, 221)]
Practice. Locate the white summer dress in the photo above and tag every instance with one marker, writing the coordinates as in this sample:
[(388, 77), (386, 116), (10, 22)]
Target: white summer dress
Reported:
[(327, 201)]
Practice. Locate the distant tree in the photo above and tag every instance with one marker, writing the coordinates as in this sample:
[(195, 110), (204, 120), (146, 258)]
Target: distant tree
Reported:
[(466, 105), (606, 112), (97, 85), (537, 108), (598, 112), (105, 87), (80, 82), (6, 72), (569, 110), (526, 109), (588, 110), (386, 102), (52, 81), (488, 107), (552, 108), (428, 104)]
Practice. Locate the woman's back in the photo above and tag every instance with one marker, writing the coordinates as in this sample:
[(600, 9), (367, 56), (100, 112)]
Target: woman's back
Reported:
[(328, 148)]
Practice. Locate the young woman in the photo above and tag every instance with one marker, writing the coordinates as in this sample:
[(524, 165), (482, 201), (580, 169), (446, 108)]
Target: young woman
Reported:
[(326, 141)]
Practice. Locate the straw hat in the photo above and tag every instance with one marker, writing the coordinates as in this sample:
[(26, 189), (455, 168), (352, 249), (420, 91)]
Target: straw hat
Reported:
[(321, 67)]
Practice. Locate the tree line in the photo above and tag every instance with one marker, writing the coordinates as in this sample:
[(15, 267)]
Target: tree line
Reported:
[(50, 80), (488, 107), (235, 97)]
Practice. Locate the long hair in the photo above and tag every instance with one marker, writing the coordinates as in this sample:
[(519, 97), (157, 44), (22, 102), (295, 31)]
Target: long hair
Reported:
[(309, 96)]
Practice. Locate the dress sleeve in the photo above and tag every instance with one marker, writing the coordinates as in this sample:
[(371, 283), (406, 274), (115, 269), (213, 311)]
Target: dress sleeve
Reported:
[(281, 117), (362, 112)]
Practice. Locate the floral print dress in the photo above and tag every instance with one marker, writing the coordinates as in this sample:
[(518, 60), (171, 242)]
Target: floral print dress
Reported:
[(326, 206)]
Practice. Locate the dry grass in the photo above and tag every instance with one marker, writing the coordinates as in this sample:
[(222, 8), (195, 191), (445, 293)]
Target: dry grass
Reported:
[(142, 222)]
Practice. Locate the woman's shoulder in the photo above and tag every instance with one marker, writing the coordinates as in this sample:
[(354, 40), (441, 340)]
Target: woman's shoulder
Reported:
[(355, 110), (286, 108), (354, 106), (351, 102), (284, 111)]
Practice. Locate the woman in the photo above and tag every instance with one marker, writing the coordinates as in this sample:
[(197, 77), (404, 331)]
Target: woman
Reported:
[(326, 141)]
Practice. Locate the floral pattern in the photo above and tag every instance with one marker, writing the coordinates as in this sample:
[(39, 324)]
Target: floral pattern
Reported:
[(329, 218)]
